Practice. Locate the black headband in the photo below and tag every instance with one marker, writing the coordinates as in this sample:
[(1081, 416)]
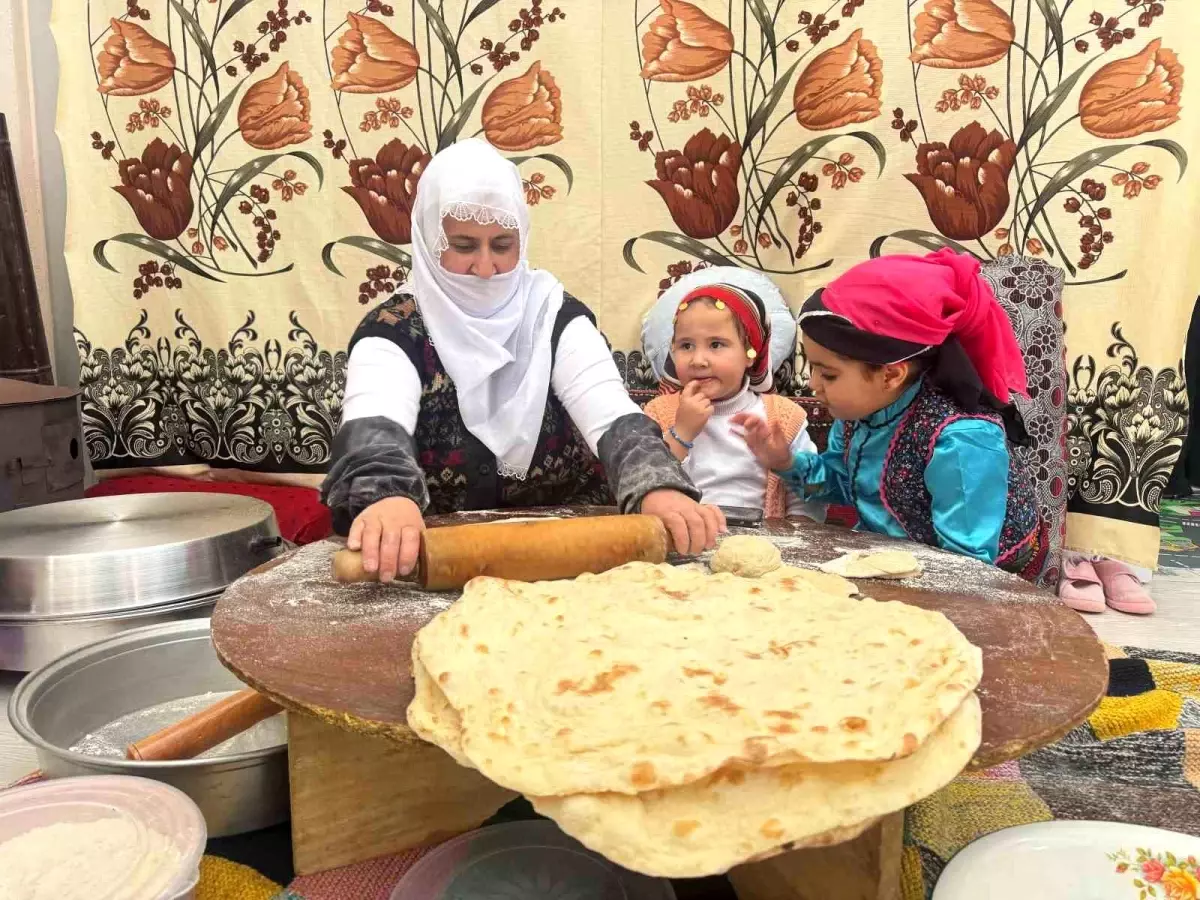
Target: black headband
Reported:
[(840, 335)]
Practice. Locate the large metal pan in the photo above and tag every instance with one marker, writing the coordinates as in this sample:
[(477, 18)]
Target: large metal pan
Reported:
[(54, 707), (105, 555)]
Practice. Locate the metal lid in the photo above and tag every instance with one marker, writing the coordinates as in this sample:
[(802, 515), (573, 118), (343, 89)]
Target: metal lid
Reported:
[(105, 554)]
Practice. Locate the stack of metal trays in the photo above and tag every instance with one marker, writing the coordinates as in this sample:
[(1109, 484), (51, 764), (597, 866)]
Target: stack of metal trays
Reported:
[(74, 572)]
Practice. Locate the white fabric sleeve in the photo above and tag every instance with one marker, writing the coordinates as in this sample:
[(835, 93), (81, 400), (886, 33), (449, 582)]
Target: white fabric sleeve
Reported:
[(382, 381), (586, 380), (796, 505)]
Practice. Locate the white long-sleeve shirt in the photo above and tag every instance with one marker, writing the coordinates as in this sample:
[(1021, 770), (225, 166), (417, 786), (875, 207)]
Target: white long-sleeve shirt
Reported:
[(724, 469), (382, 381)]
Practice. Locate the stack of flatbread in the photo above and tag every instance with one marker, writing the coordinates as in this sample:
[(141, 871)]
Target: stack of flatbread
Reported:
[(681, 723)]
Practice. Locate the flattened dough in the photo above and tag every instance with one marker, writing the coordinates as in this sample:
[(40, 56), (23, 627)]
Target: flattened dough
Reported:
[(747, 556), (874, 564)]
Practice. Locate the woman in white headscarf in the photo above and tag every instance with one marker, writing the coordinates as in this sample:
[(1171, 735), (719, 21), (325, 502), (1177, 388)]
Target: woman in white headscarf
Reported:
[(481, 385)]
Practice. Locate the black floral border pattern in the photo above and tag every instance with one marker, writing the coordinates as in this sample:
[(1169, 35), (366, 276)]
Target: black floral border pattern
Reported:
[(1125, 429), (162, 403), (154, 401)]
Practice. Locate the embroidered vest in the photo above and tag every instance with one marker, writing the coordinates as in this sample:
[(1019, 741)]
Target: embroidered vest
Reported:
[(460, 471), (663, 409), (1023, 537)]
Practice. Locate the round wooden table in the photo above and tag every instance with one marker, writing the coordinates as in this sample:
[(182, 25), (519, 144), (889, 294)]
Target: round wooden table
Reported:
[(338, 657)]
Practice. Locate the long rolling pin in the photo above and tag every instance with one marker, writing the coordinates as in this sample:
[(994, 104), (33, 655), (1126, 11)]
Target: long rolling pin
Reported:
[(205, 729), (523, 551)]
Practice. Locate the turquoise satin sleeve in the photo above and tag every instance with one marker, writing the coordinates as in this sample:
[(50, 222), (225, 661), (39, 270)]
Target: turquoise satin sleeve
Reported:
[(967, 477), (821, 476)]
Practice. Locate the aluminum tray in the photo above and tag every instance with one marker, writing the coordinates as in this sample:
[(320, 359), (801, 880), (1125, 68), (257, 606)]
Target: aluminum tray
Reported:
[(114, 554)]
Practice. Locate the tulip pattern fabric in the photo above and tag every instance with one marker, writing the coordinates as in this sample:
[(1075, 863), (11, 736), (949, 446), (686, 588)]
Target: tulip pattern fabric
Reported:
[(241, 176)]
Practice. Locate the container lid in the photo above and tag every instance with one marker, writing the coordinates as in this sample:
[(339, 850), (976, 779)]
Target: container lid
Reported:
[(108, 554), (153, 838), (531, 860), (23, 393)]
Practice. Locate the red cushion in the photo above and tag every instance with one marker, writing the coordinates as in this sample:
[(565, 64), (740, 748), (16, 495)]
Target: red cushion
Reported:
[(845, 516), (301, 516)]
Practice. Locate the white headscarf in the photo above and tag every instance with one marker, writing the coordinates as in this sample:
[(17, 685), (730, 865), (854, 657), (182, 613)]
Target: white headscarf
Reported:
[(491, 334), (658, 325)]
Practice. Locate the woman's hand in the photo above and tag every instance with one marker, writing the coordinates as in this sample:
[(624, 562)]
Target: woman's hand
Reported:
[(766, 440), (388, 533), (693, 527), (695, 410)]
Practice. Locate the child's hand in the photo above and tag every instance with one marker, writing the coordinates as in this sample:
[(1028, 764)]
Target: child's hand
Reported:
[(766, 441), (695, 410)]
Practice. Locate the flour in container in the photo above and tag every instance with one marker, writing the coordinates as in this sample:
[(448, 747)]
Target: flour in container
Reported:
[(107, 858)]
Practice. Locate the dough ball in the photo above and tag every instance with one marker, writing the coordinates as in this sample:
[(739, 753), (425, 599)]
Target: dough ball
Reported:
[(747, 556), (874, 564)]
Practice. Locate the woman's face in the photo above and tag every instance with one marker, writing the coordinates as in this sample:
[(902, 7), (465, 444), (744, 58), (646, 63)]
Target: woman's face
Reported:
[(480, 250)]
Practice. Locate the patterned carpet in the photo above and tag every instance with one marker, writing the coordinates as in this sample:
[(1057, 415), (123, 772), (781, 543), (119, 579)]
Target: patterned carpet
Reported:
[(1180, 524), (1136, 760)]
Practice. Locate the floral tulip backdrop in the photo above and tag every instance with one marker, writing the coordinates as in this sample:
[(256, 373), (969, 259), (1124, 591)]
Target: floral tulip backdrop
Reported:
[(241, 175)]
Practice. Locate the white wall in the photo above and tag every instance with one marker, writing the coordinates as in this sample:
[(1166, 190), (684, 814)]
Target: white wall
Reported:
[(28, 98)]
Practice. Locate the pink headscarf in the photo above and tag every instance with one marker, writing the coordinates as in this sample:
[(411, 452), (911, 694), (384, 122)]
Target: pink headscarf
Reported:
[(925, 300)]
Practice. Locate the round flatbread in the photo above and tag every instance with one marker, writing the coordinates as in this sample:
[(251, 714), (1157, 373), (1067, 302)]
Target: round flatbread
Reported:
[(734, 815), (646, 677)]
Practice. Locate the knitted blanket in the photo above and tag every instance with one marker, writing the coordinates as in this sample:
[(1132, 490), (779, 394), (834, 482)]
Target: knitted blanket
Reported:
[(1136, 760)]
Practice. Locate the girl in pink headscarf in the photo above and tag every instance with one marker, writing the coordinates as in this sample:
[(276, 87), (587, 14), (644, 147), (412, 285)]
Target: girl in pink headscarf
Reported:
[(917, 362)]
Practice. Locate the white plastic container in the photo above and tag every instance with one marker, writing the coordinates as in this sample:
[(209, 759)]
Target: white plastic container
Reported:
[(150, 806)]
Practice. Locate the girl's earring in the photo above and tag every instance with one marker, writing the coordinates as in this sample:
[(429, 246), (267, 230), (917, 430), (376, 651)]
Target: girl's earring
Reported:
[(751, 353)]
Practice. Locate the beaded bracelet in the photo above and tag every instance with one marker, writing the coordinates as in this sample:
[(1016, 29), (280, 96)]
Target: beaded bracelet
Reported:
[(686, 445)]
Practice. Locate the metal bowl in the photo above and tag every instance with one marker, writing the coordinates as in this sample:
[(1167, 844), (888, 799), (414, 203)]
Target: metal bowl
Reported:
[(29, 642), (54, 707)]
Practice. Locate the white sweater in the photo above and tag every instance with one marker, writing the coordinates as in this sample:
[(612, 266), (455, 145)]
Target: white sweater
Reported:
[(725, 470)]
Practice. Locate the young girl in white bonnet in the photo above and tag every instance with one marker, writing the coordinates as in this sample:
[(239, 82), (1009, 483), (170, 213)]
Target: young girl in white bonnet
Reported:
[(714, 339)]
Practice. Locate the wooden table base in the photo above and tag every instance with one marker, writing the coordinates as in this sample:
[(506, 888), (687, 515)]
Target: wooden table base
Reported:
[(866, 868), (356, 797)]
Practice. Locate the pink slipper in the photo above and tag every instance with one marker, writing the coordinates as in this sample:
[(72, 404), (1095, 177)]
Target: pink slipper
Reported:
[(1123, 589), (1080, 587)]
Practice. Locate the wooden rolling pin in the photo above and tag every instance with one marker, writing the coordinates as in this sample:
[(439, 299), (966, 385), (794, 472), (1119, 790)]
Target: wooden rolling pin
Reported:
[(205, 729), (523, 551)]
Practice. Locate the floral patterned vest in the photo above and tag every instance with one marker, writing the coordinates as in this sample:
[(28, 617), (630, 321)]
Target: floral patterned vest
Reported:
[(460, 471), (1024, 535)]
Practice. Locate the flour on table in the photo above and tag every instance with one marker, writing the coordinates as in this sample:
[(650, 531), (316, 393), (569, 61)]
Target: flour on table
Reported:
[(952, 573), (112, 857), (303, 583)]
